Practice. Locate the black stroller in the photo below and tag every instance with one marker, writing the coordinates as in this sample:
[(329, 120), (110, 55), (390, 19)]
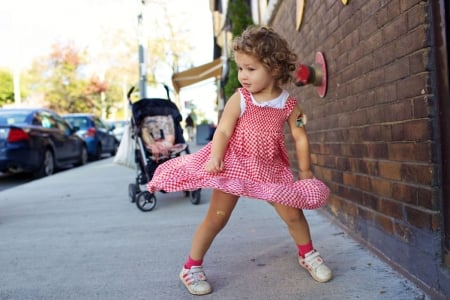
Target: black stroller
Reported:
[(152, 120)]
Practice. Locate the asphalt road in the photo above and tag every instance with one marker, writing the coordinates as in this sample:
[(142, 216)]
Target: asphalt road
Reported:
[(75, 235)]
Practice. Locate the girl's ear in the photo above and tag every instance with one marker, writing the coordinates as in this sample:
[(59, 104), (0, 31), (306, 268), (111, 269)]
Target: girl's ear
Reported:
[(275, 72)]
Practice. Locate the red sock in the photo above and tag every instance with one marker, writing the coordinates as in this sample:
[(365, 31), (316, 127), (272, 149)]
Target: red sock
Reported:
[(192, 262), (303, 249)]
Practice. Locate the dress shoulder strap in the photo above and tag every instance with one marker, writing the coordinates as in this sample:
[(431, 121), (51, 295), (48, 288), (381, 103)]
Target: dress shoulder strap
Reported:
[(245, 94)]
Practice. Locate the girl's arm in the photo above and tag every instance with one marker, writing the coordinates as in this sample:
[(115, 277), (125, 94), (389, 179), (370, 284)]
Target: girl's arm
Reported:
[(223, 133), (301, 145)]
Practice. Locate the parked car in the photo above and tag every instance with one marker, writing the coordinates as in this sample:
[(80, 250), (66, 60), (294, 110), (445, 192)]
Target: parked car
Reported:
[(98, 136), (118, 127), (38, 141)]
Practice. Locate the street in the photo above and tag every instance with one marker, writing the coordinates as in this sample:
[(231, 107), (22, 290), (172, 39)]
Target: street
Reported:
[(76, 235)]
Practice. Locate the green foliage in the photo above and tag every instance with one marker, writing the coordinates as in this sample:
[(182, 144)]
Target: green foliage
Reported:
[(6, 88), (239, 15), (60, 79)]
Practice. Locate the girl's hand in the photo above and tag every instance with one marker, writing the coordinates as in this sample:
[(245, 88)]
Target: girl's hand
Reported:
[(214, 165), (305, 174)]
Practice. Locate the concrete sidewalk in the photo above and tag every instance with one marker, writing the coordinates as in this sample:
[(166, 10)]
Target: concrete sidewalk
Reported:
[(75, 235)]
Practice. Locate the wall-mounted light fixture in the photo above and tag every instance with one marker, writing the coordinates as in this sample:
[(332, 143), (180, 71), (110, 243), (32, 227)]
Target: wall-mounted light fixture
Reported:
[(315, 74)]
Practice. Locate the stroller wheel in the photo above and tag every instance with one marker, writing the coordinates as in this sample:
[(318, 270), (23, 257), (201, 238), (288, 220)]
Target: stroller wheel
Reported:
[(132, 191), (145, 201), (196, 196)]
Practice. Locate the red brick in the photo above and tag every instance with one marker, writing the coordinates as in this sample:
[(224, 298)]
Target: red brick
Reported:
[(404, 193), (397, 70), (391, 208), (384, 55), (381, 187), (382, 17), (390, 170), (422, 107), (368, 166), (428, 199), (411, 42), (402, 151), (378, 151), (394, 9), (370, 201), (385, 222), (418, 61), (417, 174), (422, 219), (407, 4), (412, 86), (395, 29), (416, 16)]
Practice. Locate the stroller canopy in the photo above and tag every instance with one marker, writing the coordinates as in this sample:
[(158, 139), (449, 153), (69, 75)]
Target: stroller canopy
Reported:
[(158, 107)]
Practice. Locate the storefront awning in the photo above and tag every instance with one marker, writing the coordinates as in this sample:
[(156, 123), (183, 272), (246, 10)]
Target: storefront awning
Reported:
[(197, 74)]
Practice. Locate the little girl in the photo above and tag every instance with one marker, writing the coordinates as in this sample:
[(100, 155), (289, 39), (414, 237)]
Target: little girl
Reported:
[(248, 157)]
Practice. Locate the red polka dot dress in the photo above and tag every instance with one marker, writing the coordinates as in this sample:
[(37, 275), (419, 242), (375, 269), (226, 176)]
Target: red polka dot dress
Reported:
[(256, 163)]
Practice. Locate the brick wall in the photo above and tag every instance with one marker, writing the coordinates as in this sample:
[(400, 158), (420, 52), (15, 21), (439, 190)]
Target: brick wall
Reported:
[(373, 137)]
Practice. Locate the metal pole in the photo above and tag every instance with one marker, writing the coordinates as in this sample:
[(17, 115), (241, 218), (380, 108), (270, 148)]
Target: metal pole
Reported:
[(142, 52), (16, 86)]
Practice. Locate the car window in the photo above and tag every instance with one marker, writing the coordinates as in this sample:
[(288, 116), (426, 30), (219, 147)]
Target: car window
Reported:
[(62, 125), (80, 122), (99, 123), (36, 120), (47, 120), (13, 118)]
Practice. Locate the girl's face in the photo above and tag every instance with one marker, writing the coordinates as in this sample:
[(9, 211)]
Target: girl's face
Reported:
[(251, 73)]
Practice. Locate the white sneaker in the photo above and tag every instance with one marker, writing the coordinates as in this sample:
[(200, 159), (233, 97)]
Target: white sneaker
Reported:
[(194, 279), (315, 266)]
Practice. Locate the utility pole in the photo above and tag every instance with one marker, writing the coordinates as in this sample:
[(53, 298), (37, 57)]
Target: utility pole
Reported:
[(16, 86), (142, 51)]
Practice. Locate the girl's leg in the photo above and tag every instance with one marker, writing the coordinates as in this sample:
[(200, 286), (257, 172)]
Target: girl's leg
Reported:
[(220, 208), (296, 223), (309, 258)]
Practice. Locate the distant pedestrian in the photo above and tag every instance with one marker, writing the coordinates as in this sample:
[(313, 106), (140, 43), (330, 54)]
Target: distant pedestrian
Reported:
[(190, 127), (212, 129), (248, 157)]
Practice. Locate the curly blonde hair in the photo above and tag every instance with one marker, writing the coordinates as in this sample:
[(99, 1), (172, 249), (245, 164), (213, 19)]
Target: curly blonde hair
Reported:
[(270, 49)]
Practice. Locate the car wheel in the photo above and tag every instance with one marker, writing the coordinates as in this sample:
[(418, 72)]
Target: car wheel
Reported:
[(83, 156), (133, 190), (98, 152), (47, 166), (116, 146)]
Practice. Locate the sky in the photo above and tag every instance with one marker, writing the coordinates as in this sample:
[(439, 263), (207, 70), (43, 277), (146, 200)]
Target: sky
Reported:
[(28, 28)]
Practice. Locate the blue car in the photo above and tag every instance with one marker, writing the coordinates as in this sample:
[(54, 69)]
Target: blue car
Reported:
[(98, 136), (38, 141)]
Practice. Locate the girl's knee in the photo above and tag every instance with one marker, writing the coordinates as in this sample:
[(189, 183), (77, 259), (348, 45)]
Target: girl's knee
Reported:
[(216, 222), (292, 215)]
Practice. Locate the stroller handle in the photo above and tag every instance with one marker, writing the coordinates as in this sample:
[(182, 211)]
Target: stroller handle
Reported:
[(129, 94), (132, 89)]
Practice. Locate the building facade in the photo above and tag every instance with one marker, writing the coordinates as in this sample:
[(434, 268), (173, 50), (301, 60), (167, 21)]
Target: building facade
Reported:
[(380, 136)]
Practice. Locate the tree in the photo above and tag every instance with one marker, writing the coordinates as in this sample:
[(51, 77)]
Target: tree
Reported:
[(116, 64), (6, 88), (61, 79), (239, 16), (96, 79)]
